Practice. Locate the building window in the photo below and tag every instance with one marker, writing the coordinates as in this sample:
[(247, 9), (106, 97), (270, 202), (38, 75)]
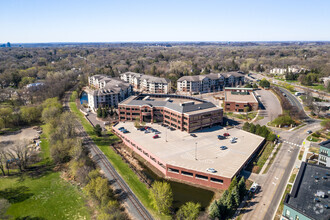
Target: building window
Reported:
[(287, 213), (201, 177), (186, 173), (216, 180), (173, 170)]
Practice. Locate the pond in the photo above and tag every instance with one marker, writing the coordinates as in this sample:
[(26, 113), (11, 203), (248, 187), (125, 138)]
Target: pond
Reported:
[(183, 193), (83, 98)]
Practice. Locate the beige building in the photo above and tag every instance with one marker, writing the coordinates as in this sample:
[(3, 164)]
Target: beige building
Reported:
[(209, 83), (147, 83)]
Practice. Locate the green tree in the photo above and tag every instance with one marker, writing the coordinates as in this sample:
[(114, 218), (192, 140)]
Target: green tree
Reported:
[(104, 113), (241, 188), (264, 83), (214, 211), (99, 189), (99, 112), (5, 116), (161, 197), (252, 128), (189, 210), (98, 130), (246, 126), (233, 184), (236, 196), (30, 114), (50, 113)]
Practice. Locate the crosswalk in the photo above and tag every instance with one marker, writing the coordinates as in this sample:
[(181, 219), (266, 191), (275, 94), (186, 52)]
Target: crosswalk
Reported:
[(293, 144)]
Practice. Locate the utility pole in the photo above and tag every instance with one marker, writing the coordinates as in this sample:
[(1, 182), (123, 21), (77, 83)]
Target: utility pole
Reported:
[(196, 151)]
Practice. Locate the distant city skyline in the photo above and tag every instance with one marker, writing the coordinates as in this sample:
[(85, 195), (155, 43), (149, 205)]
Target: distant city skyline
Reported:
[(38, 21)]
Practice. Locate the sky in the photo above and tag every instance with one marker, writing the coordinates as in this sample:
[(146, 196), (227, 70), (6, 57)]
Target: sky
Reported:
[(41, 21)]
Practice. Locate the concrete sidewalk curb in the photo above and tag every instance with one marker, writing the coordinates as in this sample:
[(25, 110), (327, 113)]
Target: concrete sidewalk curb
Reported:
[(269, 158)]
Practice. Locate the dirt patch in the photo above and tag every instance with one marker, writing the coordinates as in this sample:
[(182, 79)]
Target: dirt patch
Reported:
[(24, 134)]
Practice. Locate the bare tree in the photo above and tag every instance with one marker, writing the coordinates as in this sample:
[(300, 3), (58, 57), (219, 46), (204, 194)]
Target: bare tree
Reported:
[(20, 154)]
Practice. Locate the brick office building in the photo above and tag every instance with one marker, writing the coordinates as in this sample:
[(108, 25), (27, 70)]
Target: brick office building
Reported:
[(180, 112), (236, 99)]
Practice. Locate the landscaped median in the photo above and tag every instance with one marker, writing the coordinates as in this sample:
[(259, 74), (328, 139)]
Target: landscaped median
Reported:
[(139, 188)]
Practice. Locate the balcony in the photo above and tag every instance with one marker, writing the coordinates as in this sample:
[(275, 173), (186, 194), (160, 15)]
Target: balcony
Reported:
[(324, 154)]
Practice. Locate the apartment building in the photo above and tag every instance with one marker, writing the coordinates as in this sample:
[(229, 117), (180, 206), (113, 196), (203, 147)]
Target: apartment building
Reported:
[(147, 83), (106, 91), (209, 83), (180, 112), (236, 99), (309, 198), (324, 153)]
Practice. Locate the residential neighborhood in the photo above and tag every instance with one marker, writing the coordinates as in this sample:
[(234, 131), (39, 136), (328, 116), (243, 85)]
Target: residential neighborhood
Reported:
[(183, 110)]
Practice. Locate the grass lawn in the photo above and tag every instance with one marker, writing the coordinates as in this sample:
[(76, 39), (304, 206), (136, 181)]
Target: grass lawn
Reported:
[(312, 139), (43, 196), (250, 116), (272, 159), (139, 188), (258, 162), (292, 178), (280, 208), (314, 150), (317, 87), (47, 197), (301, 153)]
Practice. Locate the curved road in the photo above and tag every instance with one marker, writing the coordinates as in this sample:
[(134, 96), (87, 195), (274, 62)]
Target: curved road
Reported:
[(133, 206), (271, 106), (265, 203)]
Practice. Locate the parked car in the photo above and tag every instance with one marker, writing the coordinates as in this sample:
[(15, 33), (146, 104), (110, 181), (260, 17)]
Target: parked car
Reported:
[(157, 132), (142, 129), (146, 131), (232, 140), (125, 131), (121, 128), (172, 129), (255, 187), (223, 147), (220, 137), (155, 136), (226, 134), (309, 132), (211, 170), (193, 135)]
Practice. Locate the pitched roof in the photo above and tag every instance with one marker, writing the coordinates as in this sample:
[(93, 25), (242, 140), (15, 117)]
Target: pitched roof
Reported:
[(213, 76), (149, 78)]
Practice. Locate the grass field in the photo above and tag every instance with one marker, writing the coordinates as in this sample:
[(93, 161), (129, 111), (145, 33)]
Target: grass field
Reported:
[(140, 189), (41, 193), (301, 153), (46, 197)]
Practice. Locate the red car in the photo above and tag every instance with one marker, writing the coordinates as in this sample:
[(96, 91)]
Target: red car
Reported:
[(226, 134), (155, 136)]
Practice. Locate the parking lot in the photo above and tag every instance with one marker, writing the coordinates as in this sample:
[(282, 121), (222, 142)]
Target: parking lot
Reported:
[(198, 153)]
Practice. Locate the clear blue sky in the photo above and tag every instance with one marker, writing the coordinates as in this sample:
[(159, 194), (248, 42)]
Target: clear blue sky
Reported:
[(171, 20)]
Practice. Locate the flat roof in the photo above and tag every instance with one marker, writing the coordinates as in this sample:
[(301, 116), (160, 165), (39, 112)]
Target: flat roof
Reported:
[(182, 104), (325, 144), (308, 183), (179, 150), (232, 97)]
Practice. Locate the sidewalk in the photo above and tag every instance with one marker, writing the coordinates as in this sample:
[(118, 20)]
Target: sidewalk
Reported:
[(269, 158)]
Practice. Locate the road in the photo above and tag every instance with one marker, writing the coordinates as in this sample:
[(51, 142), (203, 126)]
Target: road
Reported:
[(299, 88), (265, 203), (133, 206), (271, 107), (292, 99)]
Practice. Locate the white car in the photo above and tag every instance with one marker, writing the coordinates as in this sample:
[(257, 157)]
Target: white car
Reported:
[(212, 170)]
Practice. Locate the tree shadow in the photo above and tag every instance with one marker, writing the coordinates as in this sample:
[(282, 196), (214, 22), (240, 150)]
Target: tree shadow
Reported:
[(17, 194), (29, 218)]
